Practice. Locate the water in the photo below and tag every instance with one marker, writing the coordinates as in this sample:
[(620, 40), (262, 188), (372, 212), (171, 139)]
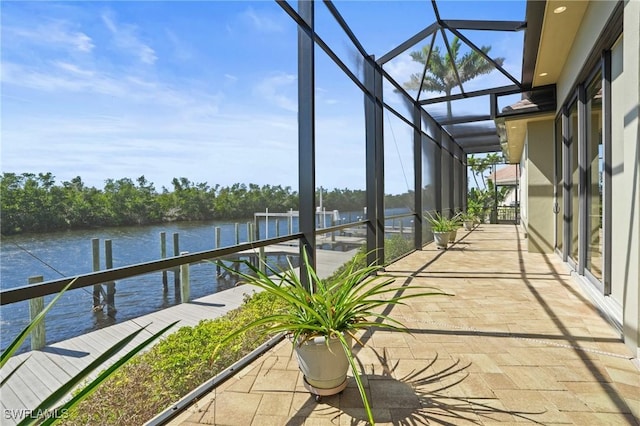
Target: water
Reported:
[(60, 254)]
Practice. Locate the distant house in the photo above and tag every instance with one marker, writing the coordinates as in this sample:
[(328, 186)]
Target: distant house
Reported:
[(507, 176)]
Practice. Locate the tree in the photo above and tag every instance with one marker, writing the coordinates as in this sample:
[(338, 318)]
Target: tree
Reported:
[(441, 76), (481, 200)]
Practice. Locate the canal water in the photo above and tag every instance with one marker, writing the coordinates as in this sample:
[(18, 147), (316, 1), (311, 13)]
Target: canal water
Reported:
[(61, 254)]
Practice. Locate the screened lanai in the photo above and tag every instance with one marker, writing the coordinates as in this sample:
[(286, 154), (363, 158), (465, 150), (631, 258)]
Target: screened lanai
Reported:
[(382, 101), (390, 116), (446, 88)]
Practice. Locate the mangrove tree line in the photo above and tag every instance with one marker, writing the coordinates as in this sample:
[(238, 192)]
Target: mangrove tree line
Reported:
[(32, 202)]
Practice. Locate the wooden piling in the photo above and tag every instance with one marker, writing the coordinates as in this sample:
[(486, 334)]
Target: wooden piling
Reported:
[(290, 222), (36, 305), (256, 228), (277, 228), (97, 288), (216, 232), (111, 285), (185, 285), (237, 229), (163, 255), (262, 260), (333, 233), (176, 271)]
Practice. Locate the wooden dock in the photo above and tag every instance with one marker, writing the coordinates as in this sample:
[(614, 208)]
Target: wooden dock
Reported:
[(47, 369)]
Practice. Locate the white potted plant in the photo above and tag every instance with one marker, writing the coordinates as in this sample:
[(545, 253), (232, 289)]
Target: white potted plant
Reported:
[(323, 320), (468, 220), (441, 228)]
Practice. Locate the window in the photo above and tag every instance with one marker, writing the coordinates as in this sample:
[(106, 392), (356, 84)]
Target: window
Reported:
[(594, 177)]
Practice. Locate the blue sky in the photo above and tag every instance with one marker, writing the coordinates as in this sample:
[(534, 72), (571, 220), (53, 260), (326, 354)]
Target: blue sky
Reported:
[(206, 90)]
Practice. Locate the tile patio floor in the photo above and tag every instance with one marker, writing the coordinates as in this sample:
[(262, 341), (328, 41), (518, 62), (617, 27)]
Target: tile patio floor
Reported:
[(519, 343)]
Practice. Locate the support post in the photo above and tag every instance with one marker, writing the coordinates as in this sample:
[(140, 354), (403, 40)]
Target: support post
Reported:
[(374, 160), (417, 182), (111, 285), (290, 222), (36, 305), (176, 271), (237, 232), (163, 255), (185, 284), (306, 135), (216, 233), (95, 255), (262, 260)]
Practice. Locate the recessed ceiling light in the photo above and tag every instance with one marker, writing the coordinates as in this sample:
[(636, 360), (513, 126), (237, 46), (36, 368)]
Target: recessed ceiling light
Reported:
[(514, 127), (543, 74), (559, 9)]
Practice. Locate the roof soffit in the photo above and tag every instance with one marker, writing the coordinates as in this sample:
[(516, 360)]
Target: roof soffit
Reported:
[(556, 39)]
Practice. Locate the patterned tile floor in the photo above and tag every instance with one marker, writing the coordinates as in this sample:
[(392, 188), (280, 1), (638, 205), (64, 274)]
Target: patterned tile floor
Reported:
[(518, 343)]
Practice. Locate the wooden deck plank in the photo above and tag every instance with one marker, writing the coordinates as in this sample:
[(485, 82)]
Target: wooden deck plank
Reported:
[(27, 388), (61, 357), (50, 374)]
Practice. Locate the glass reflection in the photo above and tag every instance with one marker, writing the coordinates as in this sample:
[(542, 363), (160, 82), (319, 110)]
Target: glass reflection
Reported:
[(575, 178), (559, 186), (594, 177)]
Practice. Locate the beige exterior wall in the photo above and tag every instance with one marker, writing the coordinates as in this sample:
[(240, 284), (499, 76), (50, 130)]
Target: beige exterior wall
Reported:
[(618, 191), (540, 170), (593, 23), (629, 211), (524, 189)]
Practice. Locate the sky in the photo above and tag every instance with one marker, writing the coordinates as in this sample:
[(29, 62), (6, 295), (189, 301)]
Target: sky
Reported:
[(205, 90)]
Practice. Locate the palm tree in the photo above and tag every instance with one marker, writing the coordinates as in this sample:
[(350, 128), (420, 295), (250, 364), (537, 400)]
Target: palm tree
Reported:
[(441, 75)]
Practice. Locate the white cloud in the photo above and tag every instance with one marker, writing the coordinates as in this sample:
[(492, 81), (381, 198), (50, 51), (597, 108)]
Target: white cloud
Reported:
[(74, 69), (402, 67), (181, 50), (261, 22), (53, 34), (279, 89), (126, 38)]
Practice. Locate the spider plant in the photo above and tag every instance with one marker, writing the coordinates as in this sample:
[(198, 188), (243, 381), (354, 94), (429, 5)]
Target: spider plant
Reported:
[(440, 223), (333, 309)]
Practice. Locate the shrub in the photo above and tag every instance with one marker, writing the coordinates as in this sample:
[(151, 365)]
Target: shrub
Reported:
[(171, 369)]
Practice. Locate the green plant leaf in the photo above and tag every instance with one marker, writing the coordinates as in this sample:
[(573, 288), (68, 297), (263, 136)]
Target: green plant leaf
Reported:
[(15, 344), (91, 387)]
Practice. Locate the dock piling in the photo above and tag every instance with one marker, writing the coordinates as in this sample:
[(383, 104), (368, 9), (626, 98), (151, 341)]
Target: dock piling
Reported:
[(163, 255), (111, 285), (185, 285), (36, 305), (176, 271), (216, 232), (97, 288)]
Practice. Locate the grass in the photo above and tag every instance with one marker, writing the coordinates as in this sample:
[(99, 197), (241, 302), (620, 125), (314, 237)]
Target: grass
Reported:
[(171, 369)]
